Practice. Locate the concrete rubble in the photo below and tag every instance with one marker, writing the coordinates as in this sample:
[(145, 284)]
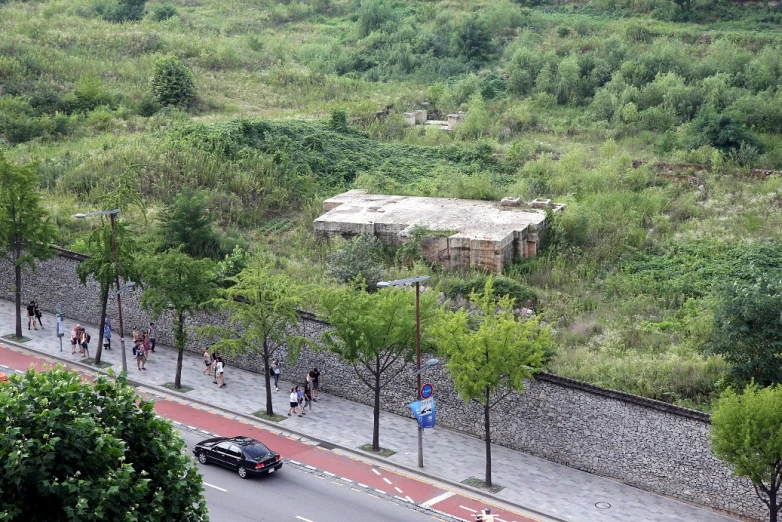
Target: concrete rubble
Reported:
[(454, 233)]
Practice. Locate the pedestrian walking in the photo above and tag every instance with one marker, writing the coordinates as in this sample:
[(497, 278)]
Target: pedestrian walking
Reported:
[(147, 344), (207, 363), (220, 370), (315, 374), (107, 336), (74, 338), (215, 357), (38, 314), (308, 397), (294, 402), (137, 337), (276, 374), (141, 358), (84, 341), (107, 321), (31, 315), (300, 400), (152, 332)]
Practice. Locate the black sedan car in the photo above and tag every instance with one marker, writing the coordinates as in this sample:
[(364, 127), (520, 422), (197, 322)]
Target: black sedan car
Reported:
[(245, 455)]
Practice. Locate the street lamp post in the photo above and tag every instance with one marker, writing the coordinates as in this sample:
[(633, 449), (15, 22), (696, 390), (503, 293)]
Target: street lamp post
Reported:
[(402, 282), (112, 214)]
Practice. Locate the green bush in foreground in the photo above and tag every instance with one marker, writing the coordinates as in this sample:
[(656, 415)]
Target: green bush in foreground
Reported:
[(172, 82), (87, 451)]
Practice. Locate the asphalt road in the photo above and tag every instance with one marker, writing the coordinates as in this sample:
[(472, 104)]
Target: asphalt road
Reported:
[(293, 493)]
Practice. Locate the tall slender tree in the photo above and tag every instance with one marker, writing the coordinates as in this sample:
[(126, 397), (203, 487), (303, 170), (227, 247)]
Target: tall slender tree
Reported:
[(375, 333), (490, 353), (25, 228), (101, 264), (262, 305), (185, 285)]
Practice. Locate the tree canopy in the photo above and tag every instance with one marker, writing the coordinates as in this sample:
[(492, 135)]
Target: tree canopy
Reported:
[(90, 451), (25, 228), (746, 433), (177, 281), (490, 353), (747, 329), (262, 305), (375, 333)]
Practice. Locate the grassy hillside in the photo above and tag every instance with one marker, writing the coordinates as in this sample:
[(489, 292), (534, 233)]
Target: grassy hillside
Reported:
[(561, 99)]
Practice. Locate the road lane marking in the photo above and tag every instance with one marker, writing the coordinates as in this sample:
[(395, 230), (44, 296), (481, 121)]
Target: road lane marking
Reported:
[(304, 519), (216, 487), (468, 509), (329, 474), (376, 472), (294, 462), (345, 479), (410, 500), (387, 481), (398, 490), (313, 468), (439, 498), (380, 491), (362, 485)]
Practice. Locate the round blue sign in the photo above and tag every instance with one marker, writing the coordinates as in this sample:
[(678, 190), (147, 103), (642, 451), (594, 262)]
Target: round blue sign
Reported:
[(426, 391)]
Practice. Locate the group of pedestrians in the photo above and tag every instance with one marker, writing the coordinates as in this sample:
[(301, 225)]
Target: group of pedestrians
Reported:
[(215, 367), (34, 315), (80, 339), (144, 344), (301, 398)]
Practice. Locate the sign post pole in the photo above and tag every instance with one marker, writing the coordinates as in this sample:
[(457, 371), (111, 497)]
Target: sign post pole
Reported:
[(60, 327)]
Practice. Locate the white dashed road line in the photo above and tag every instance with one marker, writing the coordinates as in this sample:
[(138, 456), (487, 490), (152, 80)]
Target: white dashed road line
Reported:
[(398, 490), (376, 472), (439, 498), (215, 487), (386, 481), (468, 509), (304, 519)]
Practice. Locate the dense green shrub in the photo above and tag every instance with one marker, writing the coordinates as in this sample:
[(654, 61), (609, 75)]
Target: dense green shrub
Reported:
[(361, 257), (475, 41), (171, 82), (521, 294), (723, 131), (163, 12), (121, 10)]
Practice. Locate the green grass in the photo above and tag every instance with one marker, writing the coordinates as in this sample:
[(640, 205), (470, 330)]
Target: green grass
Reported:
[(570, 95), (14, 338), (261, 414), (181, 389), (481, 484), (382, 452)]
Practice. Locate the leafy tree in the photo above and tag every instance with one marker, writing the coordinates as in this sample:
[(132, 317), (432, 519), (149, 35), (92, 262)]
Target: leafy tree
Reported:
[(101, 266), (188, 224), (361, 257), (747, 329), (490, 355), (122, 10), (372, 15), (185, 285), (474, 41), (90, 451), (163, 12), (172, 82), (262, 305), (746, 435), (231, 266), (375, 333), (722, 130), (25, 228)]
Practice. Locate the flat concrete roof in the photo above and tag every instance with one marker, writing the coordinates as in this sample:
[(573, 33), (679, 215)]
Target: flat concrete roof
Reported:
[(487, 220)]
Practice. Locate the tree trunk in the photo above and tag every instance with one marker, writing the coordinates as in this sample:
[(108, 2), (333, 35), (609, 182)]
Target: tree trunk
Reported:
[(772, 504), (104, 304), (180, 347), (18, 296), (487, 428), (376, 411), (269, 409)]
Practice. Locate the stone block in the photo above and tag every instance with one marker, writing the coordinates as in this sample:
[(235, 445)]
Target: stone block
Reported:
[(420, 116), (509, 202), (409, 118)]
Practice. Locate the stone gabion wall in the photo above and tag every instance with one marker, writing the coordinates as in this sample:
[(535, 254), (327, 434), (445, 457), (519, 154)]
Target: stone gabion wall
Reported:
[(644, 443)]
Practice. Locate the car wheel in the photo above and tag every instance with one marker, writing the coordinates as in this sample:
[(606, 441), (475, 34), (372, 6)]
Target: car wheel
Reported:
[(202, 457), (242, 472)]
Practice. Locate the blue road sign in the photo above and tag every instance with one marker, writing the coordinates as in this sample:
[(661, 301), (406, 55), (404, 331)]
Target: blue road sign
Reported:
[(426, 391)]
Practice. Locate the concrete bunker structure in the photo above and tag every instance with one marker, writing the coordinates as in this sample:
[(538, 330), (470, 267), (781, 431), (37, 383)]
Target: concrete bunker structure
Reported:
[(454, 233)]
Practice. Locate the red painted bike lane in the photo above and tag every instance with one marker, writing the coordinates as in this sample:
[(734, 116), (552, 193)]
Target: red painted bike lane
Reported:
[(361, 474)]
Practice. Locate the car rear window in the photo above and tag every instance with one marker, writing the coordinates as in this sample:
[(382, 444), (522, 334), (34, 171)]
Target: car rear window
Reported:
[(256, 451)]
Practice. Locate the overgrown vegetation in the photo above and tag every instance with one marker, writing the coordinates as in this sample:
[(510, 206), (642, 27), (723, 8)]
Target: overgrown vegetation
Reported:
[(644, 117)]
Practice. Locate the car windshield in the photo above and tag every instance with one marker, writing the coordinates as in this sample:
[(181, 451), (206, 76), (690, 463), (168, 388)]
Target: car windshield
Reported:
[(255, 451)]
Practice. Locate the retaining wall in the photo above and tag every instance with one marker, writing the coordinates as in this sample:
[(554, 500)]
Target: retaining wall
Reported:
[(648, 444)]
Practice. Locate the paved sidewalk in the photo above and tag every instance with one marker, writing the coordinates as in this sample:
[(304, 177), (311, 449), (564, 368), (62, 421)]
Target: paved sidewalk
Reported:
[(537, 484)]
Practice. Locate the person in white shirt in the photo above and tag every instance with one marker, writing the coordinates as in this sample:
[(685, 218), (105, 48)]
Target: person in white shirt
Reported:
[(294, 402)]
